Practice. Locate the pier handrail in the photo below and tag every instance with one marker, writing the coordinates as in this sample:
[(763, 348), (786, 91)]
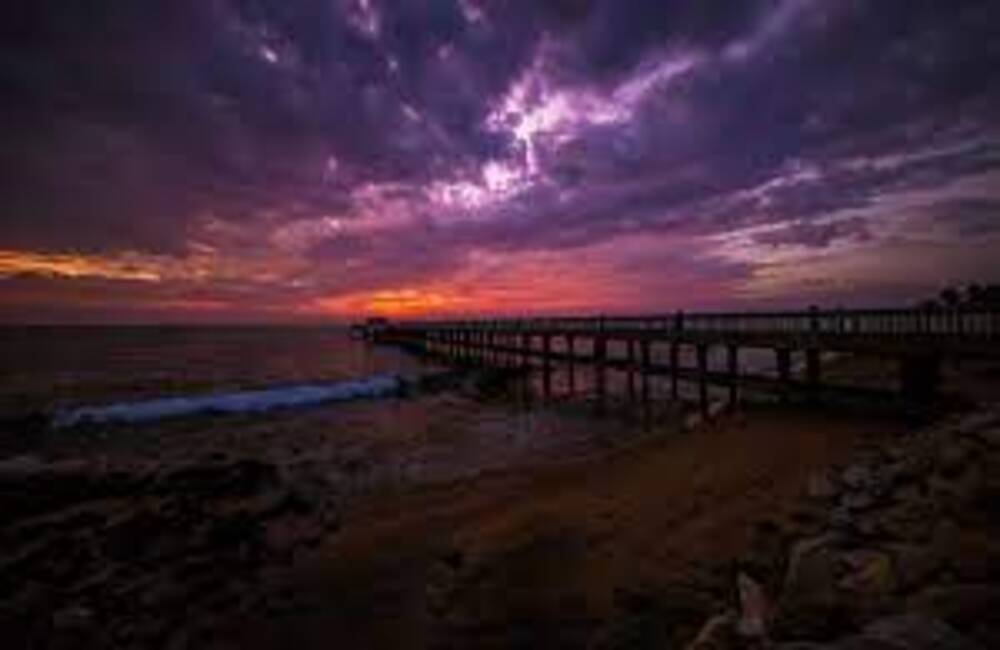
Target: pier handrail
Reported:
[(978, 323)]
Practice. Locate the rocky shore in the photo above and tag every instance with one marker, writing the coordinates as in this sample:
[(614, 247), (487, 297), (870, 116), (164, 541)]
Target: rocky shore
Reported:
[(904, 553), (695, 540), (134, 558)]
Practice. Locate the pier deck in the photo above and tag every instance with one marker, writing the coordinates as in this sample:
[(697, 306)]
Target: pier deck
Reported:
[(918, 340)]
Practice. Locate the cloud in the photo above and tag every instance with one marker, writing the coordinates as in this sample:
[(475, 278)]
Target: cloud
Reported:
[(322, 149)]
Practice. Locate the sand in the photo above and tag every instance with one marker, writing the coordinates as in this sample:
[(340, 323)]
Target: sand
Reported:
[(564, 556)]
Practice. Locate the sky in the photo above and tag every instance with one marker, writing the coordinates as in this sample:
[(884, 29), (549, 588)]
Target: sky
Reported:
[(315, 160)]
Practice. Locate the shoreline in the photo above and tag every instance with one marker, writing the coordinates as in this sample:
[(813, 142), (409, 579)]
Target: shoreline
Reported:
[(634, 544)]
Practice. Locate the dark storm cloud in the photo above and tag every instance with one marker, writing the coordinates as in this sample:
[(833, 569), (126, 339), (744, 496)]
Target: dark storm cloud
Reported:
[(123, 120), (874, 97), (814, 235), (970, 217), (126, 122)]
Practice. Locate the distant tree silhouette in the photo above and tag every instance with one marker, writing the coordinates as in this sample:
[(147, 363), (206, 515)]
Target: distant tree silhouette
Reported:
[(971, 296)]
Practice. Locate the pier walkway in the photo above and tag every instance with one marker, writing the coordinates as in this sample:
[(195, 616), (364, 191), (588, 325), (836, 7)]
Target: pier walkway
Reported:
[(917, 340)]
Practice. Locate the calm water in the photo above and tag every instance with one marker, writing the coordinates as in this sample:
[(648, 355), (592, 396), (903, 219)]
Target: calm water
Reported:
[(425, 437), (45, 368)]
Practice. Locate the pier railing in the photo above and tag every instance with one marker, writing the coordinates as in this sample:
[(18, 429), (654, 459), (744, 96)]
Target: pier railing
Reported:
[(980, 324), (919, 339)]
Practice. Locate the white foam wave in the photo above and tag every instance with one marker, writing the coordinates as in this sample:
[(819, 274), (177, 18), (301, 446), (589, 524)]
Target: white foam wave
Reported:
[(250, 401)]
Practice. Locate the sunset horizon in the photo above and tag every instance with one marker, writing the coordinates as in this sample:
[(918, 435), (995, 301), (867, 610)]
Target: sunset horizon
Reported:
[(272, 162)]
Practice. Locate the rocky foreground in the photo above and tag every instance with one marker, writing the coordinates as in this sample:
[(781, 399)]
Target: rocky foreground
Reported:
[(906, 556), (895, 546), (135, 558)]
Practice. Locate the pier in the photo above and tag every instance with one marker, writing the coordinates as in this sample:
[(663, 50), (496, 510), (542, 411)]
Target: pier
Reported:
[(916, 341)]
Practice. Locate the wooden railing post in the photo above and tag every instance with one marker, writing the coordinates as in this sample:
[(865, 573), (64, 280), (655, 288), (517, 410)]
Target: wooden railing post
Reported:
[(547, 364), (571, 367), (630, 343), (645, 369), (674, 368), (600, 371), (784, 364), (702, 353), (813, 372), (734, 372)]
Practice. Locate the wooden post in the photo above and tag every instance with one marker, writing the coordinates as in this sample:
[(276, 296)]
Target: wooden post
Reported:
[(674, 359), (644, 348), (571, 351), (920, 376), (813, 372), (702, 352), (525, 350), (631, 369), (600, 379), (734, 373), (784, 364), (547, 365)]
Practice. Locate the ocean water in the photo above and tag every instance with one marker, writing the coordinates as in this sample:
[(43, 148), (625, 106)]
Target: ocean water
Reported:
[(311, 397), (51, 368)]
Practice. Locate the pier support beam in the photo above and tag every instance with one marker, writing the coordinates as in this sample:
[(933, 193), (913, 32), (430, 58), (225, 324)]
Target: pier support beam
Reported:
[(783, 361), (571, 351), (600, 370), (674, 358), (702, 353), (631, 369), (644, 352), (920, 376), (813, 372), (733, 368), (547, 365)]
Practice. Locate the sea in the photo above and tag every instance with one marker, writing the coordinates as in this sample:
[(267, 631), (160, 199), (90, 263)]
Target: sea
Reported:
[(293, 394)]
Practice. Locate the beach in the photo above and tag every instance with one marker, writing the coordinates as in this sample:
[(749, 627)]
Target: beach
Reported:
[(483, 523)]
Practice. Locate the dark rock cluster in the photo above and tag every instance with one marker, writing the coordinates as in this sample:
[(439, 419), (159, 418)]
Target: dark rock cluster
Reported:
[(116, 558), (906, 555)]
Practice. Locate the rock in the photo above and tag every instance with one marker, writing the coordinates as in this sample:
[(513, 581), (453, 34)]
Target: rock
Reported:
[(240, 478), (718, 633), (764, 558), (870, 576), (857, 477), (946, 539), (911, 520), (821, 487), (952, 460), (73, 617), (906, 632), (856, 501), (976, 424), (961, 605), (754, 608), (809, 607), (915, 565)]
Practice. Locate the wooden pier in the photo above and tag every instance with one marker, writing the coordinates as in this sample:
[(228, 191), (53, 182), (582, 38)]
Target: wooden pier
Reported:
[(918, 341)]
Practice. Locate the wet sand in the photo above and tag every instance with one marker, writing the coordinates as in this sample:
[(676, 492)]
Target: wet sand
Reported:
[(585, 554), (250, 535)]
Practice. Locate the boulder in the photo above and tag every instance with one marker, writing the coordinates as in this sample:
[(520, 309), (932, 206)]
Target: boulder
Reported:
[(857, 477), (754, 609), (821, 487), (718, 633), (868, 581), (961, 605), (916, 564), (906, 632), (809, 606)]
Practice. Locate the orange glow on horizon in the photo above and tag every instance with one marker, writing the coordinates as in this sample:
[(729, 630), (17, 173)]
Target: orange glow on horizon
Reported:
[(70, 265)]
